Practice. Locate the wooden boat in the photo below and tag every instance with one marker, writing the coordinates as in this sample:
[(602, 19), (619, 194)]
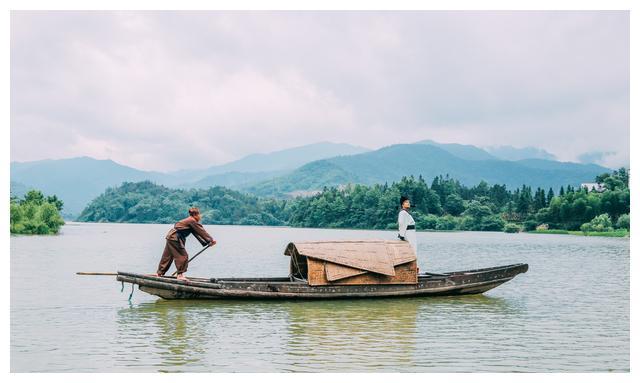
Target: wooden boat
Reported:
[(335, 269)]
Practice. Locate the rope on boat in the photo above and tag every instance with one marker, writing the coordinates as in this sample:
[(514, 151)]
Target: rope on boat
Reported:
[(132, 288)]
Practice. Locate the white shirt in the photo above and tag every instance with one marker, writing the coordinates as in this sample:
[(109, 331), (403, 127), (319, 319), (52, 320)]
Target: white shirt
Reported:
[(404, 220)]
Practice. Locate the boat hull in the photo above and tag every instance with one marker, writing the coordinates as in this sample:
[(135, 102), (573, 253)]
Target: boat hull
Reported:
[(455, 283)]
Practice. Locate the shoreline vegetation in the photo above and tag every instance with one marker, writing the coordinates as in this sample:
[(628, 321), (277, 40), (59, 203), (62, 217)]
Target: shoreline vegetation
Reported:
[(445, 205), (35, 214), (614, 233)]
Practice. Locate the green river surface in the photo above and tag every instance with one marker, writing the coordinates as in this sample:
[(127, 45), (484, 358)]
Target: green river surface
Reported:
[(568, 313)]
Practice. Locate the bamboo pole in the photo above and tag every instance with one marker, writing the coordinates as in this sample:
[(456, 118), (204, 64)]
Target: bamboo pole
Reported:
[(192, 258), (92, 273)]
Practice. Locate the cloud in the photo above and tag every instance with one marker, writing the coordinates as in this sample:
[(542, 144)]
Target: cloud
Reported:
[(169, 90)]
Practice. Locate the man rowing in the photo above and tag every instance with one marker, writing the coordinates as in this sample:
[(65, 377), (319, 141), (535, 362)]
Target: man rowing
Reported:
[(174, 249)]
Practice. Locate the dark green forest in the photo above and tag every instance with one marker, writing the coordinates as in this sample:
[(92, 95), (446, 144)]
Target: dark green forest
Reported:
[(146, 202), (445, 204)]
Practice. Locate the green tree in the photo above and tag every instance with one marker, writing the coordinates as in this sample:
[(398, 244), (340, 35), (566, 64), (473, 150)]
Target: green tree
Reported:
[(539, 200), (454, 205), (55, 202), (550, 196), (34, 197), (35, 215), (428, 222), (492, 223), (524, 202), (623, 222), (50, 216), (479, 216), (619, 179), (599, 223), (447, 222)]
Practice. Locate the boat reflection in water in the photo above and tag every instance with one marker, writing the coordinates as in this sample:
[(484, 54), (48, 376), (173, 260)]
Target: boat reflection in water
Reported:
[(301, 336)]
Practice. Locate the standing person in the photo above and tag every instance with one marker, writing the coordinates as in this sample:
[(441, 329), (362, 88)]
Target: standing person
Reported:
[(174, 249), (406, 224)]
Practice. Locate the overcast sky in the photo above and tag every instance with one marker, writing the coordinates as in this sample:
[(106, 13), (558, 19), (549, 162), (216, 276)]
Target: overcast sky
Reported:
[(170, 90)]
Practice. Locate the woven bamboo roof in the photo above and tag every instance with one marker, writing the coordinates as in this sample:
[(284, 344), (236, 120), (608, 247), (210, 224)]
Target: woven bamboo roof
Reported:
[(348, 258)]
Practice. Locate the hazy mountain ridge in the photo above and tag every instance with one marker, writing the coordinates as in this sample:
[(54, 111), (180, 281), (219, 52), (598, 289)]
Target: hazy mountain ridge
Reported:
[(466, 152), (18, 189), (232, 179), (278, 161), (78, 180), (393, 162), (511, 153), (310, 177)]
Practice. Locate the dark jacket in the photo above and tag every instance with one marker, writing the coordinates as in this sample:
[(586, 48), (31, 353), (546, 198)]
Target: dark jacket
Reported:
[(189, 225)]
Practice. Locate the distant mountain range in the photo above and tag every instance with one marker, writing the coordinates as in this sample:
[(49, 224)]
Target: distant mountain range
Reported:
[(78, 180), (466, 152), (510, 153), (264, 163), (393, 162), (303, 170), (18, 190)]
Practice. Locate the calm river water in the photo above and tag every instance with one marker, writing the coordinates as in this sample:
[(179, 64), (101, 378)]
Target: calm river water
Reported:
[(570, 312)]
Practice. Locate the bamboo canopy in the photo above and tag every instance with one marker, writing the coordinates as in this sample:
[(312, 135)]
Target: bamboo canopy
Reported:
[(339, 261)]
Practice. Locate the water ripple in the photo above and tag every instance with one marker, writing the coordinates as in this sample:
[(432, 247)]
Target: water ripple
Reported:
[(569, 313)]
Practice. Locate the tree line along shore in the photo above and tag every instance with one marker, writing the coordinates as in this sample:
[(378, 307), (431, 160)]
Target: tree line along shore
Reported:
[(446, 204)]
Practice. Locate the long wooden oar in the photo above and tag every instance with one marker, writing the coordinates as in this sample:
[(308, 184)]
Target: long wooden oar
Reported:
[(91, 273), (115, 274), (192, 258)]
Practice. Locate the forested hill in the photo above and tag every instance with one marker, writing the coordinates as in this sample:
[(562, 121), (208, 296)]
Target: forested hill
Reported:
[(444, 205), (146, 202)]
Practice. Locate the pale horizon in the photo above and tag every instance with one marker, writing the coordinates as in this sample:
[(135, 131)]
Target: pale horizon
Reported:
[(287, 148)]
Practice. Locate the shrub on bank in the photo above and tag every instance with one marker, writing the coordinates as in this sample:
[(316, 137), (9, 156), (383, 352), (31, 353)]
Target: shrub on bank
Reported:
[(447, 222), (530, 225), (599, 223), (613, 233), (511, 228), (551, 231), (623, 222), (616, 233)]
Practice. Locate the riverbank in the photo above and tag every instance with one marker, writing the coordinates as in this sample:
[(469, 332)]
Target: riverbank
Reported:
[(616, 233)]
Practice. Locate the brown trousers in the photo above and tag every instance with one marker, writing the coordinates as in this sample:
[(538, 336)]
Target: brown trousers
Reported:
[(173, 251)]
